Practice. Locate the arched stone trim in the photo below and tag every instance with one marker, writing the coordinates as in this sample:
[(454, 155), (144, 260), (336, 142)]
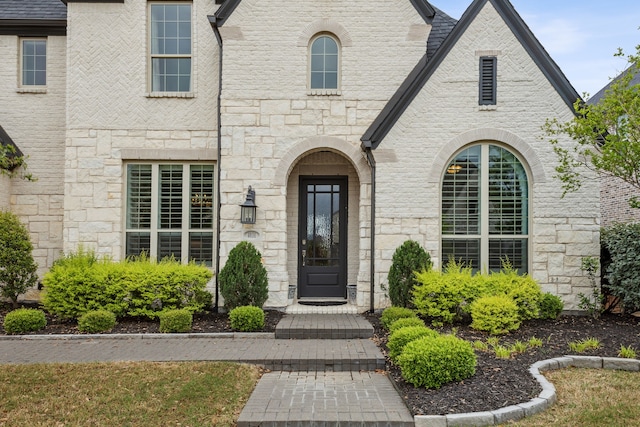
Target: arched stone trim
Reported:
[(488, 134), (318, 143), (325, 25)]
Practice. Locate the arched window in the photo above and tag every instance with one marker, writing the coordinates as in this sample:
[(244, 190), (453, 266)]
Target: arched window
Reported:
[(485, 209), (324, 58)]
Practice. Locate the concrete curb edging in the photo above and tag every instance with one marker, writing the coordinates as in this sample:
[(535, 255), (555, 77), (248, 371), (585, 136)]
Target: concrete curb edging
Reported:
[(543, 401), (267, 335)]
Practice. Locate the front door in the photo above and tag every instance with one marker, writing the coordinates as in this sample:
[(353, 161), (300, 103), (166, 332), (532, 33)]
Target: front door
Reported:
[(322, 244)]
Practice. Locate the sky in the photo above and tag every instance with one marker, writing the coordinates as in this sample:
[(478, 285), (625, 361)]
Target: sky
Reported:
[(580, 35)]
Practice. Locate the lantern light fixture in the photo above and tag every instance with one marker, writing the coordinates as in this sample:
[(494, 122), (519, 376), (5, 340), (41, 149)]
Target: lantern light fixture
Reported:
[(248, 208)]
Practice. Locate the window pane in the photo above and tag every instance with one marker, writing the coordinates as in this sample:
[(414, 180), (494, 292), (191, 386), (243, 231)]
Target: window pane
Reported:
[(170, 187), (331, 63), (34, 62), (201, 197), (201, 248), (512, 250), (461, 194), (171, 35), (330, 46), (137, 243), (331, 81), (462, 250), (317, 63), (508, 191), (317, 80), (170, 245), (138, 196)]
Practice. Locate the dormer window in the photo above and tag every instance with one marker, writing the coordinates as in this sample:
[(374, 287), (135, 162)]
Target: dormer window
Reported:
[(324, 63)]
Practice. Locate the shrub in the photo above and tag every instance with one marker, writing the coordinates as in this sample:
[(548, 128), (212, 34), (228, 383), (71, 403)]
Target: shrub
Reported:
[(175, 321), (243, 279), (23, 320), (622, 271), (407, 260), (247, 318), (391, 314), (80, 282), (403, 336), (550, 306), (404, 322), (433, 361), (96, 321), (524, 291), (495, 314), (17, 267)]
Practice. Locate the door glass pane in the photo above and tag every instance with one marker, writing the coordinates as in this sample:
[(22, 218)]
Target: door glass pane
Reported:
[(323, 225), (139, 196), (508, 193), (170, 188), (461, 194)]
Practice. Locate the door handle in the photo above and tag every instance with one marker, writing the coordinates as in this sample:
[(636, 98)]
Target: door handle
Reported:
[(304, 257)]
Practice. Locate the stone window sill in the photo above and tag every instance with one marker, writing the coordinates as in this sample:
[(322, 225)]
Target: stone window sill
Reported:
[(324, 92), (31, 90), (170, 95)]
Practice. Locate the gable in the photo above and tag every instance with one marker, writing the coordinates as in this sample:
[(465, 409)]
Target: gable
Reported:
[(425, 68)]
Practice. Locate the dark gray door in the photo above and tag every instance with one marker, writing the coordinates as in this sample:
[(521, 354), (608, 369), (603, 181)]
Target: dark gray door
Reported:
[(322, 246)]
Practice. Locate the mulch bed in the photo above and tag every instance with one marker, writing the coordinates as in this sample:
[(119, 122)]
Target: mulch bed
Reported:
[(497, 382)]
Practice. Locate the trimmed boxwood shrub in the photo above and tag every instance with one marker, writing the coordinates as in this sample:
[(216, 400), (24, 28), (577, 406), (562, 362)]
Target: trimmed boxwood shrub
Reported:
[(23, 320), (391, 314), (433, 361), (495, 314), (408, 259), (96, 321), (17, 266), (247, 318), (175, 321), (403, 336), (404, 322), (243, 279), (80, 282), (550, 306)]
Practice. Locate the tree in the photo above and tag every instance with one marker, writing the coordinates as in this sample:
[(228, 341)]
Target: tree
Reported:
[(243, 279), (606, 134), (408, 259), (17, 267)]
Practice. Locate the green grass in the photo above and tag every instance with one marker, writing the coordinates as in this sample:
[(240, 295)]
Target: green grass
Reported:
[(590, 398), (125, 394), (584, 345)]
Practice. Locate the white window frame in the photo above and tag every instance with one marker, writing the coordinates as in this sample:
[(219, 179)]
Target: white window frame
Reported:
[(153, 56), (187, 200), (325, 90), (484, 234), (21, 76)]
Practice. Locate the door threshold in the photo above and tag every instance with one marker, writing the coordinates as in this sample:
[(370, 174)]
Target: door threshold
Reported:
[(322, 302)]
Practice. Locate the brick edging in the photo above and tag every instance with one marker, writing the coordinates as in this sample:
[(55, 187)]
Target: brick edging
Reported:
[(148, 336), (536, 405)]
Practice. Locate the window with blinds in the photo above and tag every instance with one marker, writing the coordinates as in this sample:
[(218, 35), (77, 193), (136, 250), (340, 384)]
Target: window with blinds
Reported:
[(488, 80)]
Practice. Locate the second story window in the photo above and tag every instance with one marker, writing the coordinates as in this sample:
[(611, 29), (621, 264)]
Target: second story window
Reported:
[(171, 47), (324, 63), (34, 62)]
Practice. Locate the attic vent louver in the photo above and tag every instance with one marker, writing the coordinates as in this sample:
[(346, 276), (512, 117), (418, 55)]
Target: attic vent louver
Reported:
[(488, 80)]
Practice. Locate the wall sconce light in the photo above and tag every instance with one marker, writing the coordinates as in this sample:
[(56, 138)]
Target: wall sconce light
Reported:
[(248, 208), (453, 169)]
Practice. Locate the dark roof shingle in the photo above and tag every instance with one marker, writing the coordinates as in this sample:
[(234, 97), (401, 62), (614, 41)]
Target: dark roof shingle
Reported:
[(33, 9), (601, 93)]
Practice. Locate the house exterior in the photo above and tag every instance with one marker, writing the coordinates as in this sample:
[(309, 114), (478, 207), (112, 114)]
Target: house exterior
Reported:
[(357, 125), (614, 192)]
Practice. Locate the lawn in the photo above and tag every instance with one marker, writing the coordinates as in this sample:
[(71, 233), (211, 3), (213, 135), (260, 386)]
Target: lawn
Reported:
[(125, 394)]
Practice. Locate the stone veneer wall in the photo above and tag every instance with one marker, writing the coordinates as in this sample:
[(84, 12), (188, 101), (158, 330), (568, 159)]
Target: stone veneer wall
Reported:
[(444, 118), (614, 197), (35, 120)]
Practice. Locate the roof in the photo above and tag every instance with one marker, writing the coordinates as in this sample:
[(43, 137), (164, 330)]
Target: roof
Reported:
[(601, 93), (427, 65), (441, 27), (33, 17)]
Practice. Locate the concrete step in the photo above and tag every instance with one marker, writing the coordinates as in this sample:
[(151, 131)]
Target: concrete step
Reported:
[(323, 399), (323, 326)]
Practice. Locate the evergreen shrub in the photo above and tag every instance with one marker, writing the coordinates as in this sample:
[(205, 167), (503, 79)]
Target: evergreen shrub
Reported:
[(403, 323), (23, 320), (622, 270), (550, 306), (243, 279), (175, 321), (17, 267), (496, 314), (96, 321), (433, 361), (391, 314), (247, 318), (403, 336), (407, 260)]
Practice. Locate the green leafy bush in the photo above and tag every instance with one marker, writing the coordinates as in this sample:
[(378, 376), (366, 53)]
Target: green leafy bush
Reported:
[(247, 318), (550, 306), (524, 291), (403, 323), (23, 320), (495, 314), (391, 314), (403, 336), (408, 259), (243, 279), (622, 270), (175, 321), (80, 282), (17, 267), (96, 321), (433, 361)]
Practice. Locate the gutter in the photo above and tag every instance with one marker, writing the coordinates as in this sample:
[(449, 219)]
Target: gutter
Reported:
[(366, 146), (216, 31)]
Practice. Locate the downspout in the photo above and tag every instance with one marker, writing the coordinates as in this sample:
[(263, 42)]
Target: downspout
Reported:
[(372, 163), (216, 31)]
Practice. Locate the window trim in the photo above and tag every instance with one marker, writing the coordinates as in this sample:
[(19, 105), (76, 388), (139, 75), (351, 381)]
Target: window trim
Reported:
[(186, 203), (488, 81), (21, 67), (324, 90), (483, 234), (151, 93)]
